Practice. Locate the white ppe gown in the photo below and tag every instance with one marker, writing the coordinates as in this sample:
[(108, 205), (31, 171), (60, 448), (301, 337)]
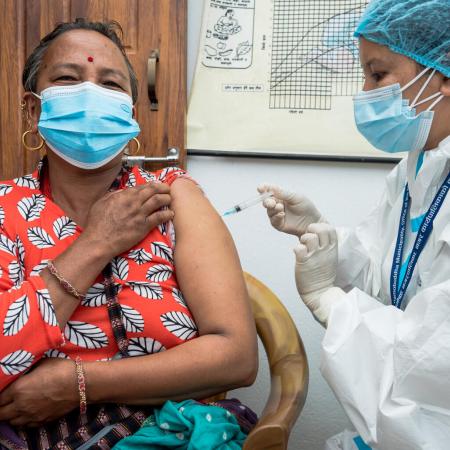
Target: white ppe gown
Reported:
[(390, 368)]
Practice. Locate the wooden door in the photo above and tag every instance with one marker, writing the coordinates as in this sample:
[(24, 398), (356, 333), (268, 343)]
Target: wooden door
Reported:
[(147, 25)]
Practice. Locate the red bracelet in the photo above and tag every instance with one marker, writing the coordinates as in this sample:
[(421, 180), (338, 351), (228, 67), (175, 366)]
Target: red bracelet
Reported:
[(64, 283), (81, 380)]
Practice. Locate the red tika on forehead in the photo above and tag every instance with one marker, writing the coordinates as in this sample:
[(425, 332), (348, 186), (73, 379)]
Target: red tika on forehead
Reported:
[(90, 59)]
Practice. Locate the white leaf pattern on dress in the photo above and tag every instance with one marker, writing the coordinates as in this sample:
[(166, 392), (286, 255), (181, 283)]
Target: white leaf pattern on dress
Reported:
[(159, 273), (64, 227), (178, 296), (20, 252), (54, 353), (162, 250), (37, 269), (163, 174), (95, 296), (151, 291), (30, 208), (16, 362), (7, 245), (27, 181), (140, 256), (16, 273), (46, 307), (144, 346), (120, 268), (163, 228), (132, 319), (172, 235), (131, 182), (2, 216), (5, 189), (147, 176), (89, 335), (179, 324), (40, 238), (17, 316), (85, 335)]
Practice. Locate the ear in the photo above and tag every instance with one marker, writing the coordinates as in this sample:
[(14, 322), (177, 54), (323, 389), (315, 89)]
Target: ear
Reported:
[(134, 112), (445, 87), (32, 110)]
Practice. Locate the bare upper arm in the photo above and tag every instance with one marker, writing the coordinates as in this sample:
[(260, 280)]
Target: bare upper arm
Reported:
[(207, 266)]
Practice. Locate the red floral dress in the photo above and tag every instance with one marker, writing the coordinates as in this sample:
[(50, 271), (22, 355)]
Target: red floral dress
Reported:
[(34, 230)]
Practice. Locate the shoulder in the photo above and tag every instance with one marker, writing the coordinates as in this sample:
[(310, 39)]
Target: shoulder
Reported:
[(195, 216), (168, 175), (11, 191), (20, 199)]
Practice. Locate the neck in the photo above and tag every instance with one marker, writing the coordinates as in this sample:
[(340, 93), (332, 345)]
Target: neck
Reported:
[(75, 190), (434, 141), (440, 128)]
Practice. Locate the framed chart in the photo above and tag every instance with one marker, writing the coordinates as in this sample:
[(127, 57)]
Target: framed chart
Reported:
[(277, 77)]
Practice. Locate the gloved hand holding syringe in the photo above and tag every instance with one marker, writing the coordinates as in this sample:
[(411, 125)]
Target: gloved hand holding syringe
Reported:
[(247, 204)]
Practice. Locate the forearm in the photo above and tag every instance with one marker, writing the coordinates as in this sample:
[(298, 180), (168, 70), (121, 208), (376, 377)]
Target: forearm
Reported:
[(80, 264), (356, 264), (196, 369), (35, 312)]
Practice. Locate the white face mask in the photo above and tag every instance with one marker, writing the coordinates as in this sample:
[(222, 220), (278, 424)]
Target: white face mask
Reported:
[(85, 124)]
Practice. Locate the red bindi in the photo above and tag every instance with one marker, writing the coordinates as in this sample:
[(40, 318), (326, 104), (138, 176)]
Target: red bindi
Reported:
[(90, 59)]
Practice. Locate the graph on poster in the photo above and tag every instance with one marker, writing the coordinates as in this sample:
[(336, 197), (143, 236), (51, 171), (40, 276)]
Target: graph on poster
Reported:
[(314, 55)]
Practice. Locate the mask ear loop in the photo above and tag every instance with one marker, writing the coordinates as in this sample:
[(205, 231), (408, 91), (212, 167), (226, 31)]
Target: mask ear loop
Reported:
[(422, 89), (425, 100), (436, 102), (421, 74)]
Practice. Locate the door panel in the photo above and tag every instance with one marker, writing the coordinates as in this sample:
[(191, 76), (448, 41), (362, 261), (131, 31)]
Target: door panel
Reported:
[(146, 24)]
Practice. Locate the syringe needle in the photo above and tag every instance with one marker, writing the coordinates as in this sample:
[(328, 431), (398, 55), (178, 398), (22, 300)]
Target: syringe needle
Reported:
[(247, 204)]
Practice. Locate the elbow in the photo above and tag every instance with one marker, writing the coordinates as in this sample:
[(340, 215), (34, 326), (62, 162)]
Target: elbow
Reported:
[(246, 368), (249, 376)]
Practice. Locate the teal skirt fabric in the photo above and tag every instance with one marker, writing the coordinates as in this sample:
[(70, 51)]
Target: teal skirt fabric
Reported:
[(188, 425)]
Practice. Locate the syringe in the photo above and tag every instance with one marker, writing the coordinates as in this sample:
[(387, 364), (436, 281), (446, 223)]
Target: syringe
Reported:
[(247, 204)]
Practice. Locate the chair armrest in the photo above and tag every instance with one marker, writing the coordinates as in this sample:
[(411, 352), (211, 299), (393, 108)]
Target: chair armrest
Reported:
[(288, 369), (289, 386)]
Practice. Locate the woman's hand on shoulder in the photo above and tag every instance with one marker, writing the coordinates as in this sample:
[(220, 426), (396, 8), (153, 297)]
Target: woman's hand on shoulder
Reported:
[(123, 218)]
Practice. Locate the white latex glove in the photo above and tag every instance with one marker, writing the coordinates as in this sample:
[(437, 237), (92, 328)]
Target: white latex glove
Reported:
[(315, 269), (289, 212)]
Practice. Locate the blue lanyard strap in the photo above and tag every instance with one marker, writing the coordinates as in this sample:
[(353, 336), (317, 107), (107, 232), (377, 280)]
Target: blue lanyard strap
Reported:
[(398, 293)]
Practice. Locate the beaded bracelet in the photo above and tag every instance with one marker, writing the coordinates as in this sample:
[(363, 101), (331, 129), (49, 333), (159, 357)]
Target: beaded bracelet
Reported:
[(64, 283), (81, 380)]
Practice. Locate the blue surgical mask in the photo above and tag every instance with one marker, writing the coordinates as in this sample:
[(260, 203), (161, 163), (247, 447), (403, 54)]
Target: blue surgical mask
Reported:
[(85, 124), (389, 122)]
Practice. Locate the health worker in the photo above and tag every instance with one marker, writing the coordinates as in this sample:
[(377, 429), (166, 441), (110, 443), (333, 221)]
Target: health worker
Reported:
[(382, 290)]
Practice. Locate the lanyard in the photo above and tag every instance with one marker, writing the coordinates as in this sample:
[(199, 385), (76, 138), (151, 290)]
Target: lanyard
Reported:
[(398, 292)]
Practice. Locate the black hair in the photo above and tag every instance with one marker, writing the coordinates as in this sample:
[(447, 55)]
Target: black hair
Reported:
[(110, 29)]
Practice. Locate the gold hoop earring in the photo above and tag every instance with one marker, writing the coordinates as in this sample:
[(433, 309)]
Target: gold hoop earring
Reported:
[(138, 147), (29, 148)]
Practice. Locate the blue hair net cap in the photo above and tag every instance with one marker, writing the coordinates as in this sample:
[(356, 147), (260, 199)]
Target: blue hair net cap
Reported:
[(419, 29)]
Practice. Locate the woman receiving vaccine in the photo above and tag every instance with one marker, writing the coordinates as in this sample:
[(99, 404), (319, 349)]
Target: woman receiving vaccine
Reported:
[(102, 317)]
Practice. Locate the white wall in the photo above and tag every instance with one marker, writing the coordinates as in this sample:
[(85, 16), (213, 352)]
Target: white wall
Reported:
[(344, 192)]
